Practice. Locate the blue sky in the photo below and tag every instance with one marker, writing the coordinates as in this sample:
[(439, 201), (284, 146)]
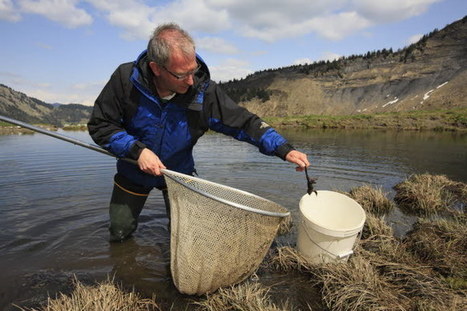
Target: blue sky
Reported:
[(65, 50)]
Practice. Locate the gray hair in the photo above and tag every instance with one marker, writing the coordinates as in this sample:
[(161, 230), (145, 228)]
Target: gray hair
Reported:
[(165, 39)]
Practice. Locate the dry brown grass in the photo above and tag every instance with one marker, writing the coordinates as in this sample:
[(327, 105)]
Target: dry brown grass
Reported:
[(416, 284), (373, 200), (344, 286), (102, 297), (243, 297), (426, 195), (285, 225), (415, 279), (369, 281), (378, 240), (384, 273), (376, 226), (355, 285), (286, 258), (425, 271), (441, 244)]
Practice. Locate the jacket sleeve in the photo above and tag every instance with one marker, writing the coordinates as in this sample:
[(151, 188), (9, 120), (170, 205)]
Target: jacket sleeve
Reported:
[(106, 124), (227, 117)]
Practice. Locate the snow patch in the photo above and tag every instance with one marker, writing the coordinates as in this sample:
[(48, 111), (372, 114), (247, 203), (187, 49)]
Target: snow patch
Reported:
[(427, 94), (391, 102), (441, 85)]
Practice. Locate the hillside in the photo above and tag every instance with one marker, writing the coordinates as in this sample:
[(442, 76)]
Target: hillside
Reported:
[(427, 75), (19, 106)]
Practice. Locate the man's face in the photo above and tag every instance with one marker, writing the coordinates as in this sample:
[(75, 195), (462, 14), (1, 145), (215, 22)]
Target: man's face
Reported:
[(177, 76)]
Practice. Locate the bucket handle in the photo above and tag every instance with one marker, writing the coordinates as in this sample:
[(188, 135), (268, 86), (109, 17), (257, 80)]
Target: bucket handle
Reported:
[(338, 256), (344, 255)]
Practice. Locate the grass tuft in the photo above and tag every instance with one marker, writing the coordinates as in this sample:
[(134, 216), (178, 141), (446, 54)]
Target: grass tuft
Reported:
[(372, 200), (103, 297), (441, 244), (428, 195), (244, 297)]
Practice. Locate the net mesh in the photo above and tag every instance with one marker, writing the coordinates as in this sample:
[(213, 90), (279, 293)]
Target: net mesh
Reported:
[(219, 235)]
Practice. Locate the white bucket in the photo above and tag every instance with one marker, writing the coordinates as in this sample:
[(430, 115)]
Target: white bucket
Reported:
[(329, 225)]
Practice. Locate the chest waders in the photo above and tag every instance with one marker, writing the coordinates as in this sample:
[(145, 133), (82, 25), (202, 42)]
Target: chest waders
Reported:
[(126, 204)]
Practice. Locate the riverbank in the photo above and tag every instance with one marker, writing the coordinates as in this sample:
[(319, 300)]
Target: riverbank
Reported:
[(424, 270), (438, 120), (10, 129)]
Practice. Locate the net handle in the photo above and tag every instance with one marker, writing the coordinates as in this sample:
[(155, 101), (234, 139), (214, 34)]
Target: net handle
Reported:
[(171, 174)]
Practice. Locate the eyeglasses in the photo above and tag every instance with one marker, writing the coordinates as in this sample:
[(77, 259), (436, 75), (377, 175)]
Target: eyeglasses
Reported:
[(183, 76)]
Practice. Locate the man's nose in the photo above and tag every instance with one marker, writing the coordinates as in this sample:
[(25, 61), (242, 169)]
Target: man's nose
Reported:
[(190, 79)]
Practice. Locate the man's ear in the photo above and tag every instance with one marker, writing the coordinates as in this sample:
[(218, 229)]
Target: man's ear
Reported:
[(155, 68)]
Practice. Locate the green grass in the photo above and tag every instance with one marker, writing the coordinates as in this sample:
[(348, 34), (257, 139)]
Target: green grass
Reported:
[(437, 120)]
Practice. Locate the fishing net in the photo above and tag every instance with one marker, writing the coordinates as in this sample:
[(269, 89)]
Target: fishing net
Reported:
[(219, 234)]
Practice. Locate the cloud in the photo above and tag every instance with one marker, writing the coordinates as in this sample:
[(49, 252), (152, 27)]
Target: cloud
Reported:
[(267, 20), (64, 12), (81, 93), (84, 94), (216, 45), (338, 26), (8, 12), (272, 20), (132, 16), (194, 16), (391, 11), (138, 20), (268, 14), (51, 96), (326, 56), (330, 56), (17, 81), (414, 38), (230, 69), (302, 61)]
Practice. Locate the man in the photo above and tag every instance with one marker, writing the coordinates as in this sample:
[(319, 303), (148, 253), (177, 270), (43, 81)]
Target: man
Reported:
[(155, 109)]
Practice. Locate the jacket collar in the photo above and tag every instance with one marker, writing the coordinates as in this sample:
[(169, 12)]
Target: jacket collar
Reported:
[(142, 77)]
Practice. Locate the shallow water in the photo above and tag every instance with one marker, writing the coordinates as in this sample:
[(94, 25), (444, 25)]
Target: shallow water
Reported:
[(54, 197)]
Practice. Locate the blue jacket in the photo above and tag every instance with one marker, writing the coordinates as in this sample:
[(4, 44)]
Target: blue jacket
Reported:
[(128, 116)]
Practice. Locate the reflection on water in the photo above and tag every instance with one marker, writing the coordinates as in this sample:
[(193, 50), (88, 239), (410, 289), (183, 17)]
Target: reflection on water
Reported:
[(54, 197)]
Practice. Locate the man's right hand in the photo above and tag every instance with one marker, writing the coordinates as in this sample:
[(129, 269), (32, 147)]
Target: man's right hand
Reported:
[(150, 163)]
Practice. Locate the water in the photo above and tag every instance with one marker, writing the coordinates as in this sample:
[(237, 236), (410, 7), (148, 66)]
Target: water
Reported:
[(54, 197)]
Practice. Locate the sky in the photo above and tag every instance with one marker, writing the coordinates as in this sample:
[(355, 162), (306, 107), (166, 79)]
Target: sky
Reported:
[(64, 51)]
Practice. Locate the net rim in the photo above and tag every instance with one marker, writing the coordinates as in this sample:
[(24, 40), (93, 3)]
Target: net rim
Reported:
[(170, 174)]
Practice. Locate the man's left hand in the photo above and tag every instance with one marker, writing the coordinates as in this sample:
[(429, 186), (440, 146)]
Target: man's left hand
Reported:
[(298, 158)]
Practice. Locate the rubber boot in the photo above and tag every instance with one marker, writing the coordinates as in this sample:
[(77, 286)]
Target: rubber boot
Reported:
[(126, 204)]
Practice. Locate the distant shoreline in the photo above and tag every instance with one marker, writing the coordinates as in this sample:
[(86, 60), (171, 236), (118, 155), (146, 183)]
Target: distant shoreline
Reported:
[(9, 129), (438, 120)]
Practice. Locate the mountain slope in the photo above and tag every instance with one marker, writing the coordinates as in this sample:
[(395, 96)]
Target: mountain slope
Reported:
[(430, 74), (19, 106)]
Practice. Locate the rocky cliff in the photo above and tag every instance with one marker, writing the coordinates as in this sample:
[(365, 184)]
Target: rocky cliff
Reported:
[(430, 74)]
